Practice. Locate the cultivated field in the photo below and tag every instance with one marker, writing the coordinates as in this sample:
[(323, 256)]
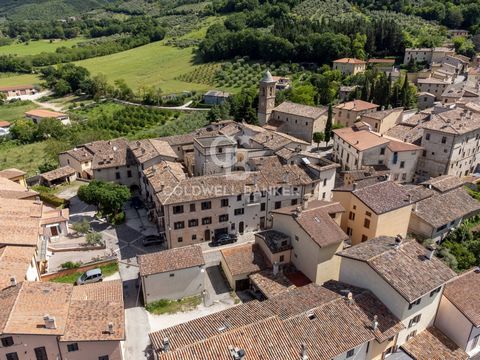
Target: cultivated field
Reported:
[(15, 111), (37, 47), (153, 64), (20, 79), (24, 157)]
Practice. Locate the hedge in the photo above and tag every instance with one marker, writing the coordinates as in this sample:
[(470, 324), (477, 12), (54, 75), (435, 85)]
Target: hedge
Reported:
[(53, 200)]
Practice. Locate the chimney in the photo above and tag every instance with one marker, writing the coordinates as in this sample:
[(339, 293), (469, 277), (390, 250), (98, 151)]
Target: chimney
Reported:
[(349, 298), (166, 344), (275, 268), (409, 198), (414, 208), (110, 328), (49, 322), (431, 251), (375, 322), (354, 186), (285, 177), (303, 352), (236, 353), (254, 179)]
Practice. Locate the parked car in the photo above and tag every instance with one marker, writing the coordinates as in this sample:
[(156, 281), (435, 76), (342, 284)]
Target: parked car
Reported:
[(153, 240), (223, 239), (90, 276)]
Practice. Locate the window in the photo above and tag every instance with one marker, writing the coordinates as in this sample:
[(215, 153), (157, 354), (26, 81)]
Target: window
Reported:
[(424, 153), (324, 195), (129, 173), (402, 164), (72, 347), (12, 356), (262, 206), (351, 216), (324, 182), (382, 151), (192, 207), (294, 202), (414, 321), (278, 204), (178, 209), (117, 175), (224, 202), (368, 213), (223, 218), (206, 220), (104, 357), (349, 231), (366, 223), (414, 303), (180, 239), (220, 150), (206, 205), (7, 341), (179, 225), (194, 237), (239, 197), (427, 136), (239, 211), (444, 139), (436, 291), (192, 222), (412, 334), (404, 176), (350, 353), (364, 238), (296, 238), (395, 157), (41, 353), (282, 258)]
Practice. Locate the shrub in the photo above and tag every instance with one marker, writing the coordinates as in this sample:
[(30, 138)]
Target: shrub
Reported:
[(94, 238), (53, 200), (118, 219), (81, 227), (70, 265)]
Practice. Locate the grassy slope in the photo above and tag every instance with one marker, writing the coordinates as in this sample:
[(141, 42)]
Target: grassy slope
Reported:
[(23, 79), (13, 112), (26, 157), (36, 47), (152, 64)]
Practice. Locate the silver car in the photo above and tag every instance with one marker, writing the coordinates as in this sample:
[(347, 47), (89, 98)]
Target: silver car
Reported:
[(91, 276)]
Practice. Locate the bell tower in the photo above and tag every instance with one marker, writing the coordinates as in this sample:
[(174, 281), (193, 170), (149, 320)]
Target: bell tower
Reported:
[(266, 98)]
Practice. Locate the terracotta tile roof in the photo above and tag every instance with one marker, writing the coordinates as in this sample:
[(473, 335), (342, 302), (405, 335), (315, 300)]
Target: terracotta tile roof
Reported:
[(299, 300), (349, 61), (399, 146), (381, 61), (433, 211), (171, 260), (11, 173), (406, 133), (270, 284), (456, 121), (14, 262), (59, 173), (383, 196), (43, 113), (463, 293), (80, 154), (210, 326), (361, 140), (275, 140), (356, 105), (444, 183), (336, 321), (102, 291), (243, 259), (317, 222), (12, 190), (8, 296), (311, 112), (111, 153), (382, 114), (16, 87), (89, 321), (432, 80), (34, 301), (145, 150), (432, 344), (164, 177), (367, 306), (418, 192), (406, 267), (262, 340), (55, 216)]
